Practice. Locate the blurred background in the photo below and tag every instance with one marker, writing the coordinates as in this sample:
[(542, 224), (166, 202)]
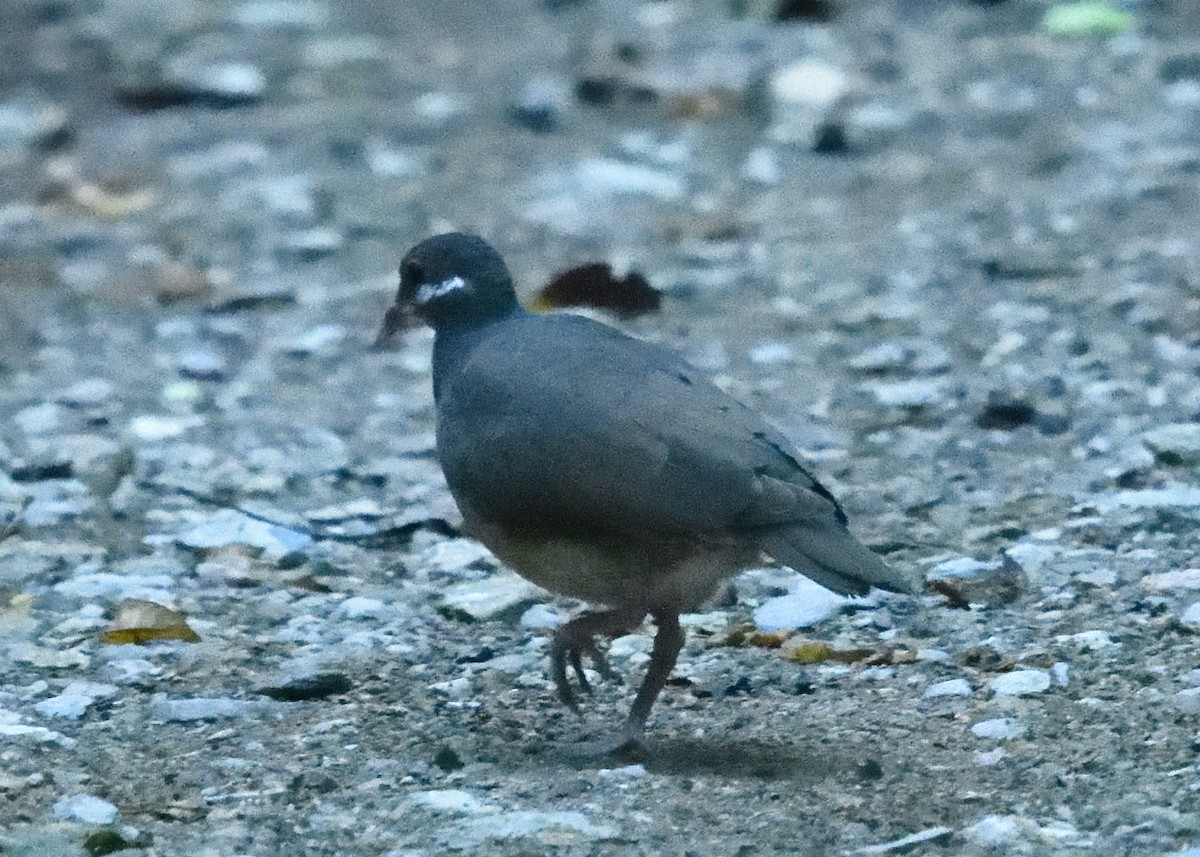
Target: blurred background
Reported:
[(948, 246)]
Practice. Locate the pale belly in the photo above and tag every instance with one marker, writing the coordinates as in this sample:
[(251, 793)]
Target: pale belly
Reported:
[(668, 574)]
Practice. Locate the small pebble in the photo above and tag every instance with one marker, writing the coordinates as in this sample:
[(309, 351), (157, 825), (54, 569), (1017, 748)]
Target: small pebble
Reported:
[(762, 167), (200, 364), (771, 354), (1061, 673), (88, 392), (541, 103), (987, 758)]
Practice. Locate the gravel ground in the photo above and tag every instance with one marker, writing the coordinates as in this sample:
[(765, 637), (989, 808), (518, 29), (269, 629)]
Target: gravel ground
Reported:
[(949, 247)]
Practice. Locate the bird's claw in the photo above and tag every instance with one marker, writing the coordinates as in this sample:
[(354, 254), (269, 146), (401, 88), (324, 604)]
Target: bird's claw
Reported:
[(577, 639), (570, 649)]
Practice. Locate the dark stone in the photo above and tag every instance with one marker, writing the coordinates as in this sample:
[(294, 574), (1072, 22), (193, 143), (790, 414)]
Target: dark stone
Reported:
[(1006, 414), (448, 760), (830, 139), (316, 686)]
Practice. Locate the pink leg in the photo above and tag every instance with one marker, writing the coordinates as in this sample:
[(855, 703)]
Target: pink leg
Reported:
[(578, 638), (668, 641)]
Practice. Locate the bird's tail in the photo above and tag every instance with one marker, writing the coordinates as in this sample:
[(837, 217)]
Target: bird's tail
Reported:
[(832, 557)]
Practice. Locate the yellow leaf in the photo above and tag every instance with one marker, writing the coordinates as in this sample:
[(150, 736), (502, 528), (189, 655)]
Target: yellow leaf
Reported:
[(139, 622)]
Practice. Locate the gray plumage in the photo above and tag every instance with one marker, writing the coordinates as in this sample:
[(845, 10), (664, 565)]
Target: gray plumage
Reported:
[(606, 468)]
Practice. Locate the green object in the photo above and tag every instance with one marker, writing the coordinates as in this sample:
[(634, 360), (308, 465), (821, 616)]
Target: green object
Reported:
[(1087, 19), (106, 842)]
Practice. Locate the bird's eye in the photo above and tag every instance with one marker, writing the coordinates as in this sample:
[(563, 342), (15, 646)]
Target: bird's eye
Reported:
[(412, 272)]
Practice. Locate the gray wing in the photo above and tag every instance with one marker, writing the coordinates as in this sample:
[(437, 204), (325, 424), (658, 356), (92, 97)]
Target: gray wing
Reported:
[(563, 424)]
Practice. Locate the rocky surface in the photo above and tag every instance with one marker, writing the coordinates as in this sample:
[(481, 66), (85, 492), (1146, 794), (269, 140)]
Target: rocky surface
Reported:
[(949, 247)]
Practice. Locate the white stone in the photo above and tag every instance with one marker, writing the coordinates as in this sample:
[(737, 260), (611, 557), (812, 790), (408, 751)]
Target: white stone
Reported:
[(1179, 440), (452, 555), (1088, 640), (987, 758), (807, 604), (809, 82), (933, 656), (540, 616), (45, 418), (998, 729), (558, 828), (86, 808), (631, 645), (74, 700), (960, 567), (906, 843), (151, 427), (910, 393), (455, 688), (359, 607), (771, 354), (762, 167), (450, 800), (201, 708), (228, 527), (996, 831), (1176, 496), (106, 584), (1020, 683), (1188, 701), (491, 596), (953, 687), (1173, 581), (626, 772), (604, 176)]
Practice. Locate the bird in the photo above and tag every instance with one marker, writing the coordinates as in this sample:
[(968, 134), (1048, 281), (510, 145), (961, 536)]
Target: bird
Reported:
[(606, 468)]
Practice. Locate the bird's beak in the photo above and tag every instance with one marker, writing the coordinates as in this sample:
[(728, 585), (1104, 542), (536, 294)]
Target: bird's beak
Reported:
[(399, 317)]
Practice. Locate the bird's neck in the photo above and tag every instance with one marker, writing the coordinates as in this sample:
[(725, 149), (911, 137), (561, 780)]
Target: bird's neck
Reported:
[(454, 342)]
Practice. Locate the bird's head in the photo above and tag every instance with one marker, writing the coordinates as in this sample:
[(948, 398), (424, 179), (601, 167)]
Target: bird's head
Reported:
[(450, 280)]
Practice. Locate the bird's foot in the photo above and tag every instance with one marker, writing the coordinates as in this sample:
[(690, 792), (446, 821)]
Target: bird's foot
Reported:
[(578, 638)]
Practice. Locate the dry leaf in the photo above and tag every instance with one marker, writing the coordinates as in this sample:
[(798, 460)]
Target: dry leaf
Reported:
[(141, 622)]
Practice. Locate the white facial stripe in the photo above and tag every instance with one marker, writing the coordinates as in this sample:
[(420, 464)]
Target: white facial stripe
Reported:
[(432, 291)]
